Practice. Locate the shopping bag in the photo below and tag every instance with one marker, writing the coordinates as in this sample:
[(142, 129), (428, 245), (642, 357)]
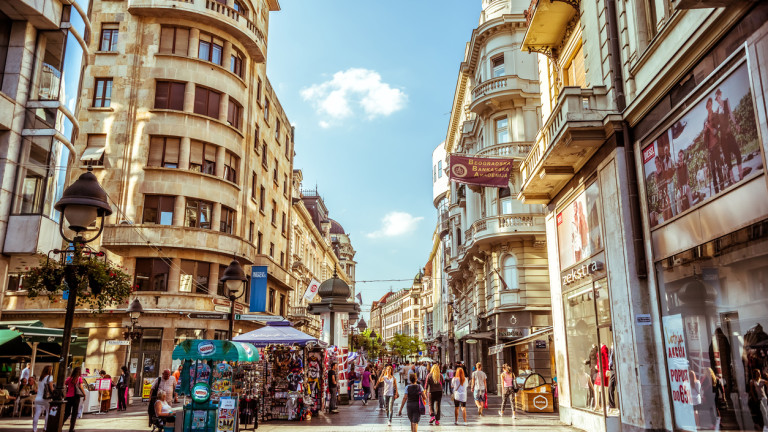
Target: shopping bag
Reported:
[(485, 401), (422, 408)]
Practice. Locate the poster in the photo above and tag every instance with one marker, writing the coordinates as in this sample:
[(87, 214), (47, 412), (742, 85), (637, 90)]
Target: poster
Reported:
[(199, 418), (146, 388), (713, 146), (225, 415), (579, 228), (199, 374), (221, 385), (134, 365), (679, 376)]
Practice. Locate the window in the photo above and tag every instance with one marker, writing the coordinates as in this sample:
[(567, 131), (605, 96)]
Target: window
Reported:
[(158, 209), (439, 169), (236, 63), (266, 109), (253, 185), (497, 64), (509, 270), (282, 258), (151, 274), (282, 304), (262, 193), (207, 102), (502, 130), (274, 172), (434, 174), (274, 213), (264, 155), (102, 95), (164, 152), (169, 95), (221, 287), (93, 155), (287, 147), (202, 157), (240, 8), (277, 131), (258, 92), (272, 250), (250, 231), (231, 163), (256, 139), (194, 276), (258, 242), (227, 220), (108, 37), (282, 225), (221, 335), (234, 114), (210, 48), (17, 282), (198, 214), (574, 73), (174, 40), (272, 300), (285, 184)]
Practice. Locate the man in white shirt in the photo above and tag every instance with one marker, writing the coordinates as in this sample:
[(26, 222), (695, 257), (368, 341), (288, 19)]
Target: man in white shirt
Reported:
[(25, 373), (168, 384), (478, 386)]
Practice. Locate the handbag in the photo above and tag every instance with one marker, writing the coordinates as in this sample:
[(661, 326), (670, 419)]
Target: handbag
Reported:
[(422, 408), (47, 389)]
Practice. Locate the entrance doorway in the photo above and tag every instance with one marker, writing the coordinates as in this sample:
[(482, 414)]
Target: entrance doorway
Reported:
[(145, 357)]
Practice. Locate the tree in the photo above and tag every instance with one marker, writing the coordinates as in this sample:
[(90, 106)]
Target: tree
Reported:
[(372, 346), (404, 345)]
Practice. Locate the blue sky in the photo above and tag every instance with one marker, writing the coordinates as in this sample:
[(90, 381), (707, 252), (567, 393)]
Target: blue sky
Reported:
[(369, 87)]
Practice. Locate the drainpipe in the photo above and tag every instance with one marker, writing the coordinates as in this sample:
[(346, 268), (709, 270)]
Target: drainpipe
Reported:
[(614, 52)]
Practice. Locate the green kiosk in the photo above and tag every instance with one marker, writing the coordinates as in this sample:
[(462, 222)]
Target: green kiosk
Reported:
[(214, 377)]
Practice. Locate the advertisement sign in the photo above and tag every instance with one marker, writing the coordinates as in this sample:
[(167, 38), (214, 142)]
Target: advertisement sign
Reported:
[(312, 288), (679, 376), (480, 171), (258, 289), (712, 147), (225, 415), (146, 388), (579, 228)]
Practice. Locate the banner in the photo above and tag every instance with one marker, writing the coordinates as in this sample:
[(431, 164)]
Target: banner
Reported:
[(314, 285), (480, 171), (679, 375), (258, 289), (579, 228)]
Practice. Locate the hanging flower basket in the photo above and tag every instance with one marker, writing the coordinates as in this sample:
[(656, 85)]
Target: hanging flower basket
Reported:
[(99, 284)]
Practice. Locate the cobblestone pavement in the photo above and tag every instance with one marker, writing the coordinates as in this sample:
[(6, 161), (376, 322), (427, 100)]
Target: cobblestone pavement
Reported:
[(354, 417)]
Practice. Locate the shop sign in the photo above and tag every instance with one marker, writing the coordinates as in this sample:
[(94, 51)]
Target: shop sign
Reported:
[(710, 148), (206, 349), (540, 344), (515, 319), (493, 172), (201, 393), (580, 272), (643, 319), (679, 376), (579, 228), (513, 332)]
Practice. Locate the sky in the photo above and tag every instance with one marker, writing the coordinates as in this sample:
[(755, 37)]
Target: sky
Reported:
[(369, 87)]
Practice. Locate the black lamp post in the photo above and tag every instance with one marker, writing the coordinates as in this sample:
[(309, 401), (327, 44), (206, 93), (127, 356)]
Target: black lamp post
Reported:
[(134, 332), (235, 280), (81, 204)]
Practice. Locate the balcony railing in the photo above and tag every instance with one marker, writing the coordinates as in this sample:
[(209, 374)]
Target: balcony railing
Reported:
[(502, 225), (506, 86), (520, 150)]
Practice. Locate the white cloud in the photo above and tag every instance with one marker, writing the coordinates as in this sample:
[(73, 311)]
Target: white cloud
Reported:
[(395, 224), (352, 91)]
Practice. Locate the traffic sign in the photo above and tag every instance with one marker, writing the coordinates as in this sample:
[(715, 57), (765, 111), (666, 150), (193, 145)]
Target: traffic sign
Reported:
[(263, 318), (208, 316)]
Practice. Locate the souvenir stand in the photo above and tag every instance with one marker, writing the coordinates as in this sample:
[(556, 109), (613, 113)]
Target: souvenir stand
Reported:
[(289, 370), (217, 374)]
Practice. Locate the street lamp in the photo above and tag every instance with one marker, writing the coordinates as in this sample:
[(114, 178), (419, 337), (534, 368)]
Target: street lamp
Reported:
[(81, 204), (134, 332), (235, 280)]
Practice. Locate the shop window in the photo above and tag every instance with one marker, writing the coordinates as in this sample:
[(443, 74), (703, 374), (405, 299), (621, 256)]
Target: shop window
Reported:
[(109, 32), (174, 40), (158, 209), (194, 276), (164, 152), (234, 114), (231, 163), (198, 214), (210, 48), (102, 94), (227, 223), (502, 130), (207, 102), (497, 64), (574, 72), (202, 157), (236, 62), (169, 95), (151, 274), (93, 155)]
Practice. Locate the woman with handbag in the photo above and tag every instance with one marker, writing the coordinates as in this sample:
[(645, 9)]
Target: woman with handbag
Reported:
[(74, 392), (44, 394), (417, 402), (389, 391), (509, 391)]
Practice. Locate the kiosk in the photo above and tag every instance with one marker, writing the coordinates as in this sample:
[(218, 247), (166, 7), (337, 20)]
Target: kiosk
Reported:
[(215, 375), (535, 395)]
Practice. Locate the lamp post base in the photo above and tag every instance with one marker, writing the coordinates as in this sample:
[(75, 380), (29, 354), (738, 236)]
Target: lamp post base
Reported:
[(55, 422)]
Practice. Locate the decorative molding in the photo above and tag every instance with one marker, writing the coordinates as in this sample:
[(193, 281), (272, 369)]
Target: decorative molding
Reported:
[(572, 3)]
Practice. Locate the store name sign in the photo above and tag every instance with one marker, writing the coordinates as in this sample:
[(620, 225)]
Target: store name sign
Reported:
[(580, 272), (512, 332)]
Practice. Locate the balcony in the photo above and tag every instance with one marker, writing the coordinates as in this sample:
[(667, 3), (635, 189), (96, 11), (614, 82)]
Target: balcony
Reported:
[(579, 124), (444, 223), (515, 150), (492, 93), (548, 23), (491, 228), (210, 12)]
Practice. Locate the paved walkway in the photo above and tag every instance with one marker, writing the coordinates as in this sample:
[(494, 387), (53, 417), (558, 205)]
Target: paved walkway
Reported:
[(354, 417)]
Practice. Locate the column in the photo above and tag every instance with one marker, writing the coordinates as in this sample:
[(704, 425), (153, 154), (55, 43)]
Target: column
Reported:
[(530, 119), (194, 42), (213, 279), (221, 152), (227, 60), (179, 210), (223, 107), (184, 153), (189, 100), (174, 275), (520, 126), (216, 220)]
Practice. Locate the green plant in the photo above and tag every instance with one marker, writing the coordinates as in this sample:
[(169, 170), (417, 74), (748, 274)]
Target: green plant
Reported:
[(99, 284), (404, 345)]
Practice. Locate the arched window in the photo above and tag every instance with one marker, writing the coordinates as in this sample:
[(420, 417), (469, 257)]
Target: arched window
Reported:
[(509, 270)]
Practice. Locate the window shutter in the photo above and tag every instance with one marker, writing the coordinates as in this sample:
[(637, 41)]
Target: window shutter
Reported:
[(172, 150), (210, 152), (182, 42), (161, 94), (155, 152), (196, 153), (177, 96), (213, 104), (166, 40), (201, 100)]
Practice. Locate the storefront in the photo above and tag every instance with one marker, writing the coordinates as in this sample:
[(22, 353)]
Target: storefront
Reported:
[(706, 220)]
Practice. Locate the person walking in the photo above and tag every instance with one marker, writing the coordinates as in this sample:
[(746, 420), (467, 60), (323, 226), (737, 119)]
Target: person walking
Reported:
[(122, 389), (380, 386), (435, 392), (478, 387), (509, 389), (414, 396), (389, 391), (25, 373), (365, 382), (449, 373), (74, 392), (459, 387), (333, 388), (44, 393)]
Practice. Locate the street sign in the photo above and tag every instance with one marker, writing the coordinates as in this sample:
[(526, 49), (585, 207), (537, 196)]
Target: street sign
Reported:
[(495, 349), (118, 342), (263, 318), (221, 302), (208, 316), (224, 309)]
